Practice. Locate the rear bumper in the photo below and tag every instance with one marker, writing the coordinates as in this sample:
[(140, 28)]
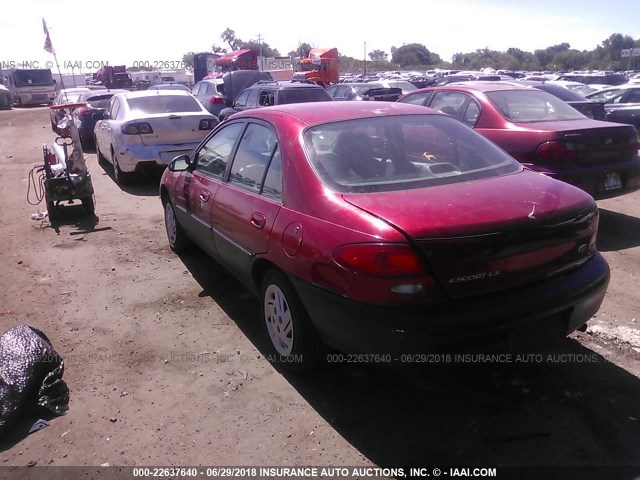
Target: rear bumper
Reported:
[(592, 179), (557, 307), (136, 157)]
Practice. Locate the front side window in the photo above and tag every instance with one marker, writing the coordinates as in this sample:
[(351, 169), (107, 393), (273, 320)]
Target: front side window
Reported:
[(401, 152), (241, 101), (214, 155), (252, 157)]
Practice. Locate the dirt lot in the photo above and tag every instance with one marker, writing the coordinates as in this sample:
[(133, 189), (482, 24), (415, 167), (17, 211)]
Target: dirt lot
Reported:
[(164, 364)]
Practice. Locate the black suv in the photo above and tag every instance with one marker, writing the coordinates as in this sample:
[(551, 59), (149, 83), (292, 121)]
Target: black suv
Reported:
[(266, 93)]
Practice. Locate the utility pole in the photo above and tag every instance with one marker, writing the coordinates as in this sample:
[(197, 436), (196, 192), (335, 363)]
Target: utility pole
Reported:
[(365, 58), (260, 43)]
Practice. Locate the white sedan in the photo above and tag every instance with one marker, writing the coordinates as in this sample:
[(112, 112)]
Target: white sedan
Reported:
[(143, 131)]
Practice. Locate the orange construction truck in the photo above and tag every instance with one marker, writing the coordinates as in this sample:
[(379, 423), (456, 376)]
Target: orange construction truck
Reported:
[(321, 66)]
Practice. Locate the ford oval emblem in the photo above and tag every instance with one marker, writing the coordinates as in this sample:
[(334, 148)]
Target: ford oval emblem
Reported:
[(583, 248)]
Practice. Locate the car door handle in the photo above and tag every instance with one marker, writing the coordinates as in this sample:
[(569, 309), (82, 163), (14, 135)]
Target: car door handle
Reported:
[(204, 196), (258, 220)]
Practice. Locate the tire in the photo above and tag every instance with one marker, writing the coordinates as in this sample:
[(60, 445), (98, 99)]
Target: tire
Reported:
[(294, 343), (178, 240), (122, 178), (101, 158)]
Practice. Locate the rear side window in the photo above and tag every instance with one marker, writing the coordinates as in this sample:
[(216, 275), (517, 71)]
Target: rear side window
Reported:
[(451, 103), (272, 187), (417, 99), (163, 104), (252, 157), (267, 98), (303, 95)]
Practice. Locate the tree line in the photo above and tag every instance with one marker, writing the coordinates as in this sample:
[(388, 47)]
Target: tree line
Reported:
[(561, 57)]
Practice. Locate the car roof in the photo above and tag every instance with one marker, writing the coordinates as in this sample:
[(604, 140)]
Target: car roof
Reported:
[(74, 90), (215, 81), (480, 86), (322, 112), (150, 93), (283, 85), (98, 93)]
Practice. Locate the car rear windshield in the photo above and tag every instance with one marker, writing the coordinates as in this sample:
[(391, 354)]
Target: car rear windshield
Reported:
[(164, 104), (532, 106), (303, 95), (100, 101), (401, 152)]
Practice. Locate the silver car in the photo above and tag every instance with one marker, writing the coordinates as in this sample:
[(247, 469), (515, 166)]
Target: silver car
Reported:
[(143, 131)]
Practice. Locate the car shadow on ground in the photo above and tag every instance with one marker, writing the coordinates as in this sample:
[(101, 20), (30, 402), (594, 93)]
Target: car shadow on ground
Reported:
[(617, 231), (568, 406), (147, 185)]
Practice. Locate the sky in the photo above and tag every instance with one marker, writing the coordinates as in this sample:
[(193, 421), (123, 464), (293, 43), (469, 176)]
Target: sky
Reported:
[(88, 34)]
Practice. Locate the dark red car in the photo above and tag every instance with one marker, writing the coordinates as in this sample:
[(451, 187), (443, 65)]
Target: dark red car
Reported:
[(385, 228), (544, 134)]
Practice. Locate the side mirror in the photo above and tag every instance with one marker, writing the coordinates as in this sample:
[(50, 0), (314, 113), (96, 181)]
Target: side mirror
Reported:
[(180, 163)]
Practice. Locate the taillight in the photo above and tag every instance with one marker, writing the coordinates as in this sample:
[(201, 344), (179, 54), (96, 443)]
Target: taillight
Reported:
[(215, 100), (136, 128), (379, 259), (207, 124), (557, 150), (634, 144), (83, 112)]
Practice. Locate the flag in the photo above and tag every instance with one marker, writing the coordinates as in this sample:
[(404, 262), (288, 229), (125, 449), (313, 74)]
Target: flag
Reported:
[(47, 41)]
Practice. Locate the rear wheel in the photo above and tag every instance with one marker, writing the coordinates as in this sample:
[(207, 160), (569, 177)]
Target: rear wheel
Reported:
[(122, 178), (294, 343), (101, 158), (178, 240)]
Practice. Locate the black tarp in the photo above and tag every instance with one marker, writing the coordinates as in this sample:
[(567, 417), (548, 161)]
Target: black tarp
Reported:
[(236, 82), (30, 377)]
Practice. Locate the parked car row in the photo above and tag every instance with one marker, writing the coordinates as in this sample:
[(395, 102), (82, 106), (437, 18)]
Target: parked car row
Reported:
[(441, 209)]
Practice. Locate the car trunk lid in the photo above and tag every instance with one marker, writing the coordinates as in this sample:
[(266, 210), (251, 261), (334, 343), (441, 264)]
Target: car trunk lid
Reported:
[(175, 128), (491, 235), (592, 142)]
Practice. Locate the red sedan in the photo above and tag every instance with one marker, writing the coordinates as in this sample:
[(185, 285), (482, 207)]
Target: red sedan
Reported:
[(544, 134), (385, 228)]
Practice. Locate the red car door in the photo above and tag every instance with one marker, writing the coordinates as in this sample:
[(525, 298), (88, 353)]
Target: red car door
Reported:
[(245, 207), (201, 186)]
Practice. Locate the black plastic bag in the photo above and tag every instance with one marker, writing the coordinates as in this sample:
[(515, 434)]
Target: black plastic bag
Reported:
[(30, 377)]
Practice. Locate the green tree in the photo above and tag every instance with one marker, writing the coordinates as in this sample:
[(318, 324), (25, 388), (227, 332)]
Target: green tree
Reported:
[(229, 36), (187, 60), (378, 56), (413, 54)]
